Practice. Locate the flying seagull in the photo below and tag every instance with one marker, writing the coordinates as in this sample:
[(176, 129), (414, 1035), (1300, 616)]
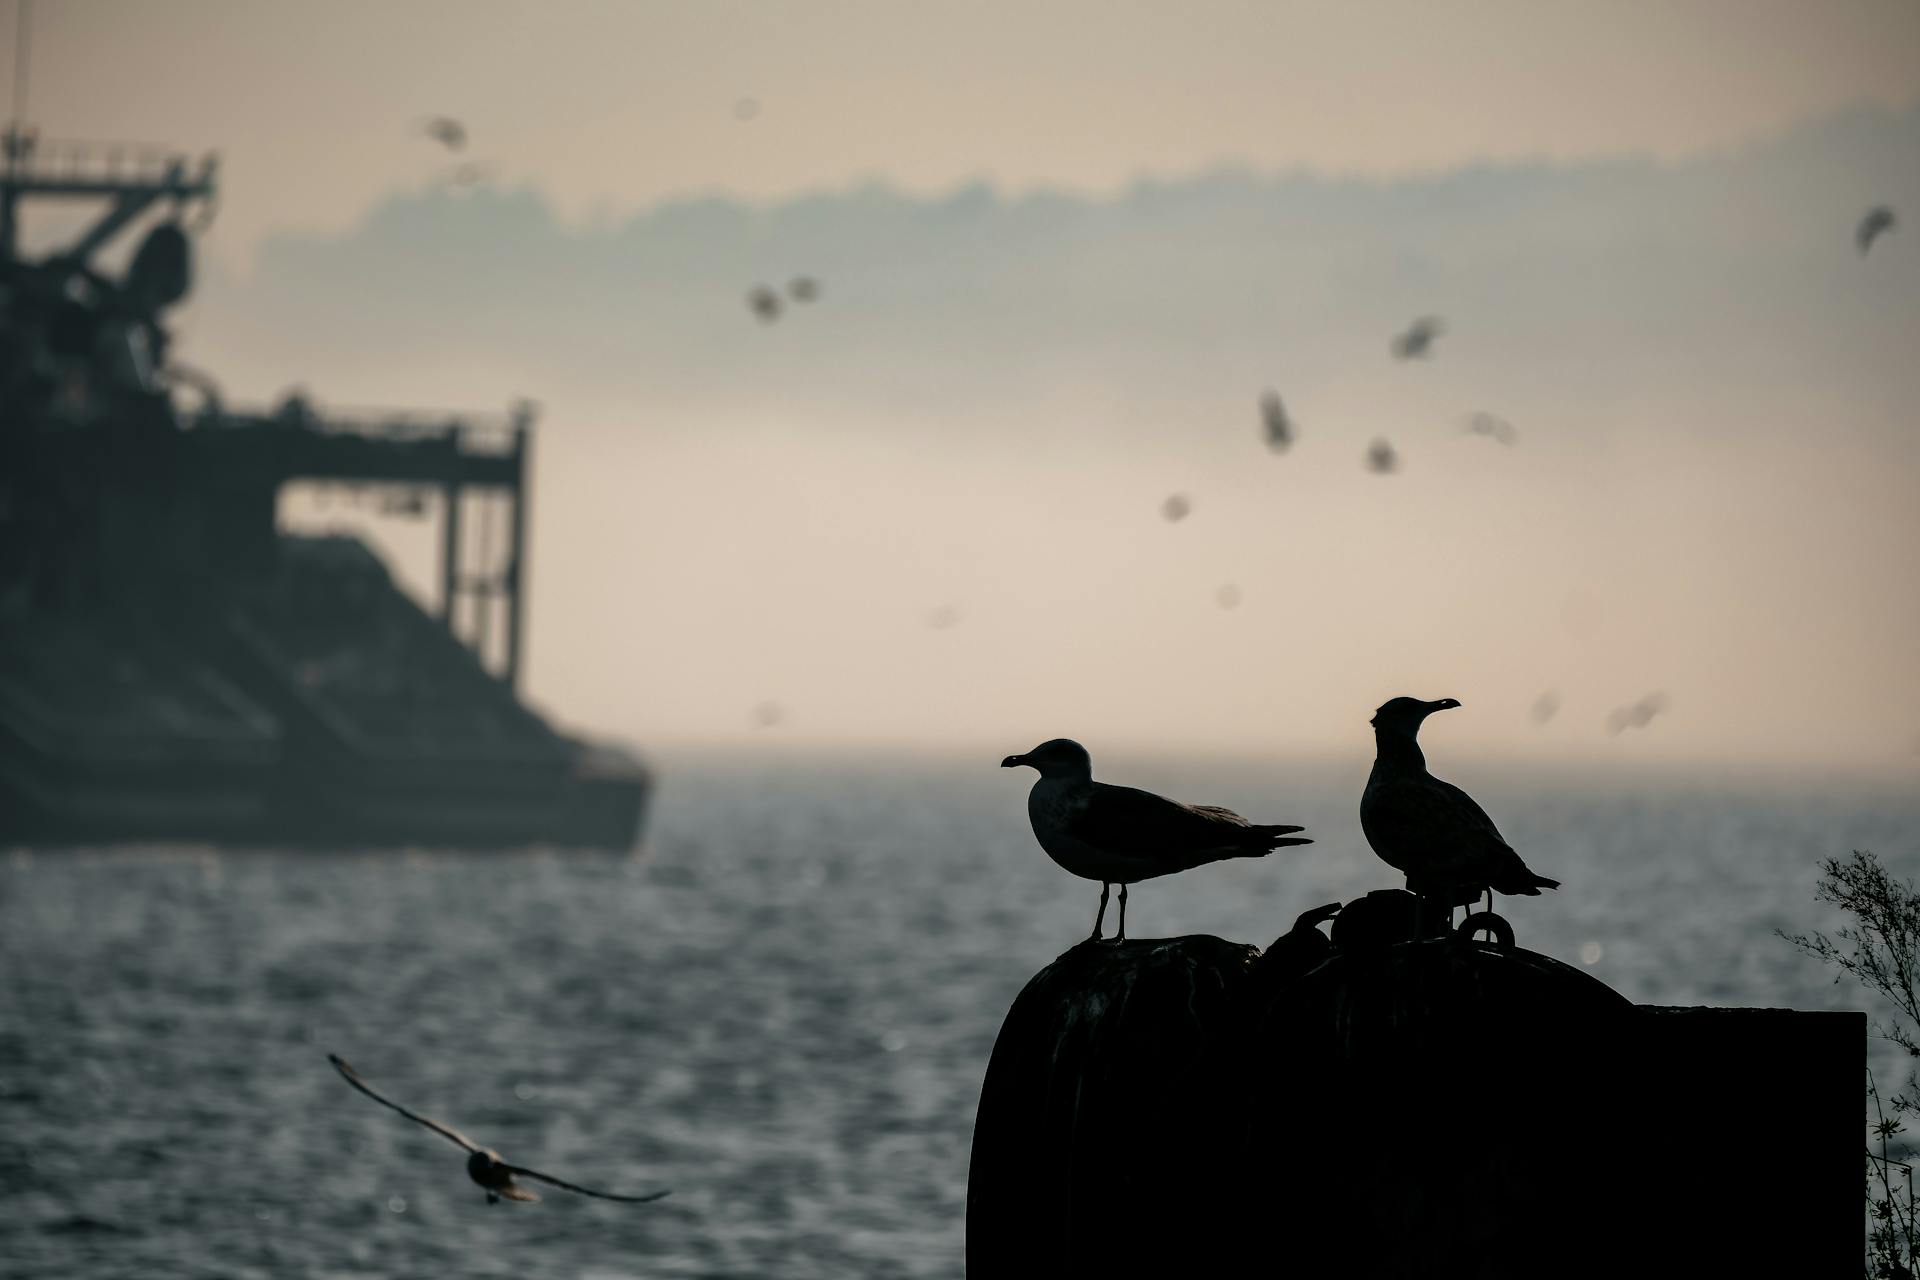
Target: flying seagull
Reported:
[(1879, 220), (803, 289), (765, 303), (1273, 414), (1488, 424), (1177, 507), (1118, 835), (1430, 829), (1381, 459), (1418, 339), (485, 1167), (448, 132)]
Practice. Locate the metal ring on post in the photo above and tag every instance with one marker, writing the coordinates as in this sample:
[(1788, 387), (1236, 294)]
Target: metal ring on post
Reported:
[(1496, 925)]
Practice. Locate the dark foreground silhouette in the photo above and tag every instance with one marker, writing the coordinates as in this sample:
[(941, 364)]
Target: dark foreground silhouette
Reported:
[(1371, 1105), (484, 1166)]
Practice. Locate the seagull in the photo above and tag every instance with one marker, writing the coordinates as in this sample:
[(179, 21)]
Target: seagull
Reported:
[(1487, 424), (1381, 459), (1177, 507), (484, 1166), (803, 289), (1878, 221), (1430, 829), (1415, 342), (1120, 835), (1637, 716), (765, 303), (447, 131), (1279, 426)]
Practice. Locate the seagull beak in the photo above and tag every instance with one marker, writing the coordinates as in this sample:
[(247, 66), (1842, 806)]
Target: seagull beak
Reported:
[(1011, 761)]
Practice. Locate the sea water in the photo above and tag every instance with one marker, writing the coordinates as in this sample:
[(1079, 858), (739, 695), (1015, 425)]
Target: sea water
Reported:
[(781, 1007)]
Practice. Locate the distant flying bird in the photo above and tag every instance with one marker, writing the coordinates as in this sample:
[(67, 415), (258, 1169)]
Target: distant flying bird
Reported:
[(745, 109), (1177, 507), (1447, 845), (1487, 424), (943, 618), (1545, 707), (1381, 459), (765, 303), (768, 714), (447, 131), (1418, 339), (1637, 716), (1118, 835), (803, 289), (1228, 596), (1273, 415), (494, 1175), (1879, 220)]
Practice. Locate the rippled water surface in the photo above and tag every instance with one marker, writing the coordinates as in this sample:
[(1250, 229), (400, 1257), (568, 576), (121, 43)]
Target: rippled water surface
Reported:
[(781, 1008)]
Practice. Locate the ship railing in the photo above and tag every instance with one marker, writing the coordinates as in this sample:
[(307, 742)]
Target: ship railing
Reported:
[(479, 433), (28, 160)]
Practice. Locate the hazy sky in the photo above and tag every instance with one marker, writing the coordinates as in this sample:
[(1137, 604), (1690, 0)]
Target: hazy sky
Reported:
[(1635, 218), (315, 107)]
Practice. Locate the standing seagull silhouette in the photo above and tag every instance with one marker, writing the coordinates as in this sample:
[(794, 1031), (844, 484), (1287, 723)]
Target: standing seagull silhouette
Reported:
[(1430, 829), (1118, 835), (485, 1167)]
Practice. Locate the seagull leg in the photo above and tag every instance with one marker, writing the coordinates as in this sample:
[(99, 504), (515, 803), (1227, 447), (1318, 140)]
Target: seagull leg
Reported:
[(1122, 935), (1101, 918)]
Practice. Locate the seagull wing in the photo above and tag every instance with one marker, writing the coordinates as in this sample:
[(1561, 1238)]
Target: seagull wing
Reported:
[(1138, 824), (448, 1132), (517, 1171), (1431, 828)]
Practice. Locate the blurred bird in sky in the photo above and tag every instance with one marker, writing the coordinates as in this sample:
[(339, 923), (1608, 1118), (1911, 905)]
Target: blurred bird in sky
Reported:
[(1228, 596), (1492, 426), (1381, 459), (1432, 830), (1417, 341), (803, 289), (1177, 507), (1637, 716), (1119, 835), (1545, 707), (765, 304), (1878, 222), (447, 131), (492, 1174), (1273, 415)]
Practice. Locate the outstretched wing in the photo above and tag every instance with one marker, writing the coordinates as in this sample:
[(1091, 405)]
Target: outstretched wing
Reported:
[(517, 1171), (448, 1132), (1140, 825)]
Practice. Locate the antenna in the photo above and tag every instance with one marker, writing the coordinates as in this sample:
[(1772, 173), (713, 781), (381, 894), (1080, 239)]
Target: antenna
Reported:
[(22, 30)]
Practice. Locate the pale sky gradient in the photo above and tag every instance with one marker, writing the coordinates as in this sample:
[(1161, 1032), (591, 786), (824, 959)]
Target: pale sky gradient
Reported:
[(610, 107), (1713, 495)]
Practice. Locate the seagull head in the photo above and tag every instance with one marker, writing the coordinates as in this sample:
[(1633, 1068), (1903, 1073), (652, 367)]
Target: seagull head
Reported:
[(1403, 715), (1059, 758)]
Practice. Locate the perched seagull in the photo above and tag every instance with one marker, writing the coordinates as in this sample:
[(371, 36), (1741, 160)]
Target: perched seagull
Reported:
[(1381, 459), (1430, 829), (1487, 424), (1279, 427), (1879, 220), (448, 132), (1118, 835), (765, 303), (803, 289), (494, 1175), (1418, 339)]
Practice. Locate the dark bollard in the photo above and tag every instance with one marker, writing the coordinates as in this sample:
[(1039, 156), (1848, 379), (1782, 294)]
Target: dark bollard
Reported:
[(1101, 1081), (1372, 1107)]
